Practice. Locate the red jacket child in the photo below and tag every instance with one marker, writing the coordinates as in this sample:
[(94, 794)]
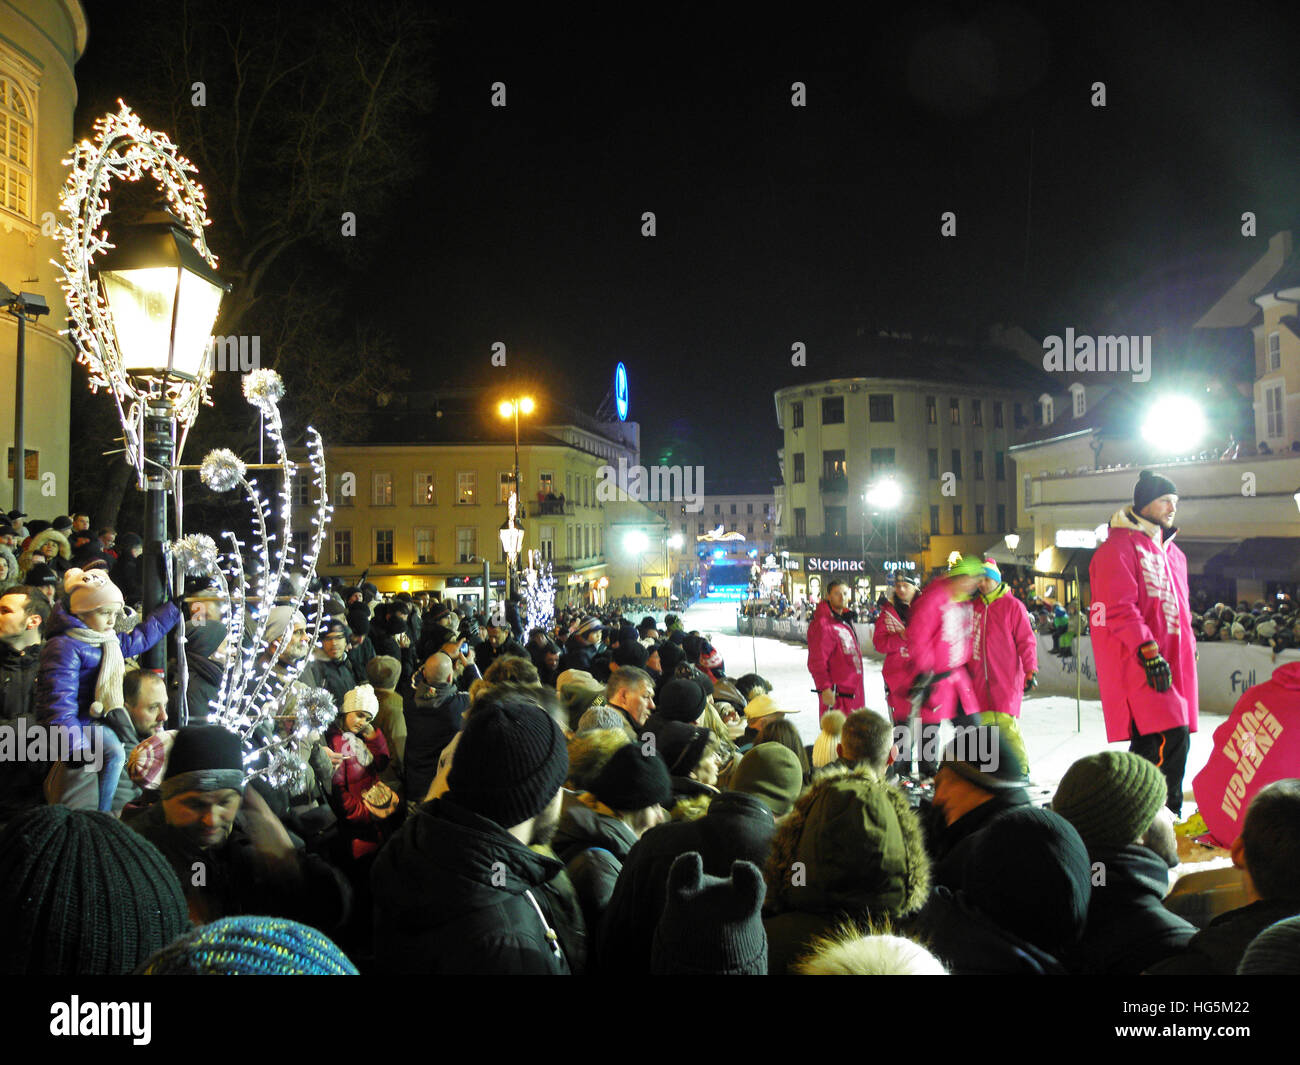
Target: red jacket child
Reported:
[(365, 757)]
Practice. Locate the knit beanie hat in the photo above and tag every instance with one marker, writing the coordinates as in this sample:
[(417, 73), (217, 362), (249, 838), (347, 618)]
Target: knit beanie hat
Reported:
[(41, 576), (772, 774), (1274, 952), (361, 700), (587, 626), (147, 762), (603, 716), (828, 739), (89, 590), (250, 946), (991, 571), (1110, 797), (383, 671), (681, 699), (968, 566), (202, 640), (711, 926), (1151, 486), (631, 653), (280, 620), (632, 780), (83, 895), (590, 750), (670, 657), (62, 523), (1030, 875), (681, 745), (988, 756), (204, 758), (511, 759)]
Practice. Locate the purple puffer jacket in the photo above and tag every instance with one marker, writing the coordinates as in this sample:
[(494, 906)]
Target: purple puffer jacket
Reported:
[(65, 683)]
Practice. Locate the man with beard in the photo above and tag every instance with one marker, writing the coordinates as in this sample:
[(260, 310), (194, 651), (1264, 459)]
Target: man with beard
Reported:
[(335, 669), (458, 891)]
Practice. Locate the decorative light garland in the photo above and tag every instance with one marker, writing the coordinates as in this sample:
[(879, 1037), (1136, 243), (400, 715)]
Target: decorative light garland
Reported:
[(255, 689), (539, 596)]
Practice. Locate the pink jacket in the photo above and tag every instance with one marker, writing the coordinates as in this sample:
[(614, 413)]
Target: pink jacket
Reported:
[(940, 634), (1004, 653), (1258, 744), (897, 670), (1139, 582), (835, 658)]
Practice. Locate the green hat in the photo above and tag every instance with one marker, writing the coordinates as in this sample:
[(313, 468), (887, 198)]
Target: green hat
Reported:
[(772, 774), (970, 566), (1110, 798)]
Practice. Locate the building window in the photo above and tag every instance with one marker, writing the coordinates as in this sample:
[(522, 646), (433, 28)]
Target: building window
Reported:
[(834, 465), (15, 149), (880, 408), (956, 463), (749, 529), (882, 458), (934, 520), (796, 476), (931, 410), (343, 489), (733, 508), (979, 465), (932, 457), (999, 466), (423, 493), (997, 415), (1080, 403), (546, 483), (381, 490), (954, 411), (1002, 517), (505, 485), (979, 517), (717, 509), (833, 410), (1275, 351), (586, 541), (956, 519), (547, 542), (837, 521), (1273, 409), (466, 488), (301, 543), (1046, 409), (342, 552), (976, 412), (796, 415), (749, 508), (699, 528), (383, 547), (466, 543), (1029, 492), (568, 540), (800, 522), (424, 546), (300, 490)]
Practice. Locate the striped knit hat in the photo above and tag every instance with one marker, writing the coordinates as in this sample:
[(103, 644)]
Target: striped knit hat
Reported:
[(83, 895), (250, 946), (1110, 797)]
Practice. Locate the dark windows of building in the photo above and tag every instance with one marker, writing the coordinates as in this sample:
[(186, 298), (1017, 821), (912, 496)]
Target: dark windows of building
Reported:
[(881, 408), (832, 410), (796, 476), (956, 519), (837, 521), (796, 415), (934, 520)]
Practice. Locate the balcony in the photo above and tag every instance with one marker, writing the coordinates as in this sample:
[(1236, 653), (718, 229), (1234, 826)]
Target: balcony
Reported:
[(836, 483), (550, 507)]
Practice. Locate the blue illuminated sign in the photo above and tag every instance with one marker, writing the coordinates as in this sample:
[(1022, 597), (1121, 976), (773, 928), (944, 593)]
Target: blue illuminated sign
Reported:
[(620, 391)]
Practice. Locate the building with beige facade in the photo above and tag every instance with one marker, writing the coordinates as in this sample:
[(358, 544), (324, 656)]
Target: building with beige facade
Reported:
[(40, 43)]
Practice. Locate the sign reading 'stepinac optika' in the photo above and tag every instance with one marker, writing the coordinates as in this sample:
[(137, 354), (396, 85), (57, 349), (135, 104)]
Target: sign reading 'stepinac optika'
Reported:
[(835, 565)]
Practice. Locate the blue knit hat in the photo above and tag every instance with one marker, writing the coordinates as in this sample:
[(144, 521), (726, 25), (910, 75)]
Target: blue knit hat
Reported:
[(250, 946)]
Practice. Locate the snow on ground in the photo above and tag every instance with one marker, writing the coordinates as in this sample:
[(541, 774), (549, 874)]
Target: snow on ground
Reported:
[(1047, 721)]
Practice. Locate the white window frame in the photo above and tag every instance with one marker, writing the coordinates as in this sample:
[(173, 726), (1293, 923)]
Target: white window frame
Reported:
[(392, 546), (1080, 400), (505, 482), (461, 556), (340, 538), (22, 127), (1274, 416), (337, 498), (464, 477), (542, 477), (546, 542), (1274, 345), (431, 557), (381, 489), (424, 488)]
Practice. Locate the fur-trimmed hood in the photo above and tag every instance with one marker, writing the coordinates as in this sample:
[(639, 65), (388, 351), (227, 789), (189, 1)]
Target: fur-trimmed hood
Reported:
[(45, 537), (852, 844), (13, 575)]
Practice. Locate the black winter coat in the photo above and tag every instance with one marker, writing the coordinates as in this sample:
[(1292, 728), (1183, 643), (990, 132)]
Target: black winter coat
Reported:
[(338, 678), (968, 943), (1218, 948), (1128, 929), (738, 827), (949, 849), (431, 723), (593, 847), (455, 894)]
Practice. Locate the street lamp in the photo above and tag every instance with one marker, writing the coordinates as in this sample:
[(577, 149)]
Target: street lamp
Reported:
[(25, 306), (512, 408), (1012, 541), (886, 495), (141, 308)]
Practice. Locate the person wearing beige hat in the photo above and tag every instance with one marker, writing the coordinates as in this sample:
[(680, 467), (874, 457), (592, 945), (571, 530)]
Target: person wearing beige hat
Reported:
[(760, 712)]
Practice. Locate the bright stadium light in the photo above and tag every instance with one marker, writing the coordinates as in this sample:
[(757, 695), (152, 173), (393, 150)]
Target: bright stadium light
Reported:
[(636, 542), (1174, 424), (885, 495)]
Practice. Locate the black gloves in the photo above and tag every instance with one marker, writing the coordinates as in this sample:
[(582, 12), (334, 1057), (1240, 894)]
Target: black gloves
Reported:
[(1031, 682), (919, 693), (1157, 669)]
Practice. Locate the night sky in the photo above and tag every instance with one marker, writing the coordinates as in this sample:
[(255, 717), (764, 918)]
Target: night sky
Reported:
[(779, 224)]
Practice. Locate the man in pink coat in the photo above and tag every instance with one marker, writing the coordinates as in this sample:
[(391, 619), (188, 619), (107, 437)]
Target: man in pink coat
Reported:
[(890, 638), (1142, 632), (1004, 657), (834, 657), (1258, 744)]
